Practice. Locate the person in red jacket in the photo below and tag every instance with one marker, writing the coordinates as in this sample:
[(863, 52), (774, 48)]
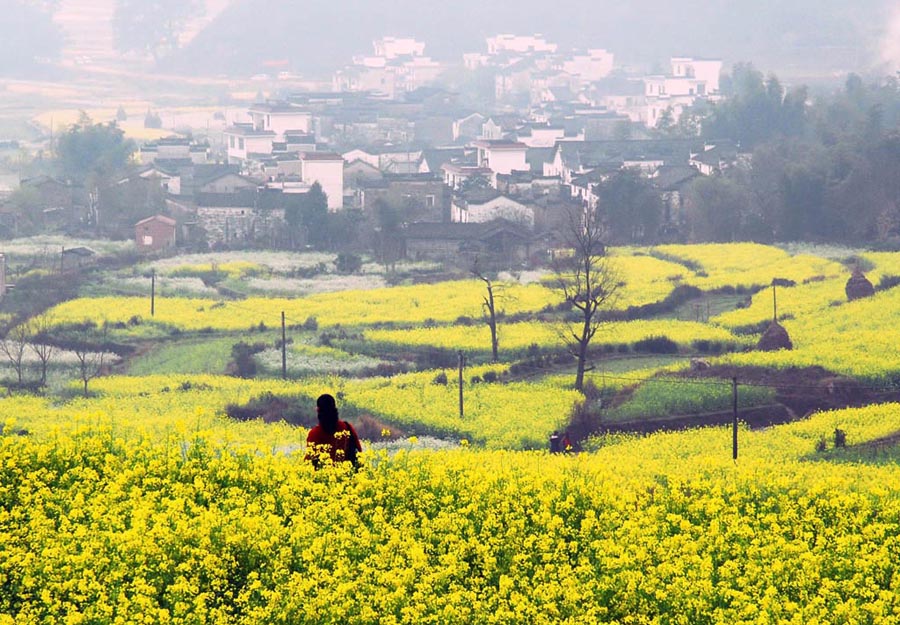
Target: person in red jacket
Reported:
[(332, 438)]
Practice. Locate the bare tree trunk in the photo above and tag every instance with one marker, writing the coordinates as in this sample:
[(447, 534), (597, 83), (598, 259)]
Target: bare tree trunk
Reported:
[(489, 305)]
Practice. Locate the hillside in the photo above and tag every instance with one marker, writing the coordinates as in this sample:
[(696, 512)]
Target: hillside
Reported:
[(793, 37)]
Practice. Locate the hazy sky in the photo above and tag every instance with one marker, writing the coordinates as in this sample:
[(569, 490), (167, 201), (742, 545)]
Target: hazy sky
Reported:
[(786, 36)]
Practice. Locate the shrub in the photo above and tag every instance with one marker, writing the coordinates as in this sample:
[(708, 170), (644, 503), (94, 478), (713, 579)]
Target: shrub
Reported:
[(311, 324), (152, 120), (656, 345), (888, 282), (348, 263), (244, 364), (840, 438), (491, 377), (440, 378)]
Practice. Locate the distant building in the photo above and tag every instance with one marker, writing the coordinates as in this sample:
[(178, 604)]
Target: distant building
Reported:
[(501, 156), (590, 66), (519, 43), (326, 168), (393, 47), (155, 233), (174, 149)]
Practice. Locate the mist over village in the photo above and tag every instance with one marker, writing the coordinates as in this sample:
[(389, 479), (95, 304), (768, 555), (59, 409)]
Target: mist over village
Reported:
[(428, 312)]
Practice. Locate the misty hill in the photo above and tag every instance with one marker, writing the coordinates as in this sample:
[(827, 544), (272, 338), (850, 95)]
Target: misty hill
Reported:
[(789, 36), (27, 35)]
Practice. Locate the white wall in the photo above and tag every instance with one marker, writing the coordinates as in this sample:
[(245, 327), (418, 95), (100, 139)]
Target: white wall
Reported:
[(505, 161), (594, 65), (330, 175), (501, 207)]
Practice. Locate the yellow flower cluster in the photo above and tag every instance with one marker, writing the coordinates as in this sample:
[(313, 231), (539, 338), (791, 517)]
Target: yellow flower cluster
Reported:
[(748, 264), (517, 337), (664, 529), (857, 338), (402, 305)]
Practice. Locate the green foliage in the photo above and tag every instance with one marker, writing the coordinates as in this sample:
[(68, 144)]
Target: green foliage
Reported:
[(348, 262), (152, 120), (88, 152), (668, 397), (151, 26), (631, 207)]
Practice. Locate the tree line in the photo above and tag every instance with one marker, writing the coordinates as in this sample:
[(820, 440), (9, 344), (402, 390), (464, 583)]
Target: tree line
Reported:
[(821, 167)]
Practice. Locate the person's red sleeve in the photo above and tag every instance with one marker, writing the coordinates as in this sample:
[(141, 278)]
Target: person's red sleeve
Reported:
[(355, 436)]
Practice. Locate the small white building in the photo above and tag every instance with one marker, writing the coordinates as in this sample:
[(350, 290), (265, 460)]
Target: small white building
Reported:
[(499, 207), (593, 65), (326, 168), (455, 175), (521, 44), (393, 47), (280, 118), (501, 156), (243, 142), (706, 70)]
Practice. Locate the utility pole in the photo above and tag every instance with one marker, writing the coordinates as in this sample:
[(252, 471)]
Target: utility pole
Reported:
[(734, 425), (461, 361), (774, 302), (283, 349), (153, 293)]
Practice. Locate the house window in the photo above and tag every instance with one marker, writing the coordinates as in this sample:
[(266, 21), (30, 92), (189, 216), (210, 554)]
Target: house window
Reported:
[(147, 240), (429, 201), (231, 142), (241, 143)]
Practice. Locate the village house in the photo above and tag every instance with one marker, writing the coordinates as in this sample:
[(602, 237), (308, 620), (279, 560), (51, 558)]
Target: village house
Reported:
[(155, 233), (501, 156), (398, 66), (326, 168), (270, 123), (572, 158), (389, 159), (456, 176), (671, 183), (421, 197), (499, 241), (177, 149), (482, 206)]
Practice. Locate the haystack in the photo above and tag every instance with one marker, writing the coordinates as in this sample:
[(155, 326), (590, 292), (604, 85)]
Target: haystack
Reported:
[(858, 286), (774, 338)]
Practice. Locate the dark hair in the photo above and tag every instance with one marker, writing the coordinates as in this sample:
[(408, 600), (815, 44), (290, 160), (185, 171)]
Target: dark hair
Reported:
[(328, 413)]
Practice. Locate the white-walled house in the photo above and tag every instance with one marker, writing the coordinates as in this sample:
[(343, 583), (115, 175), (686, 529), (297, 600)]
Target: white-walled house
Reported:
[(393, 47), (326, 168), (501, 156), (706, 70), (593, 65), (243, 142), (456, 175), (174, 148), (519, 43), (280, 118), (485, 210), (541, 136)]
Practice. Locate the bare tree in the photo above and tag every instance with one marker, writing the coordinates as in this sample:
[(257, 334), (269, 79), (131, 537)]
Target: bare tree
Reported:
[(90, 355), (489, 306), (40, 343), (14, 345), (588, 282)]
